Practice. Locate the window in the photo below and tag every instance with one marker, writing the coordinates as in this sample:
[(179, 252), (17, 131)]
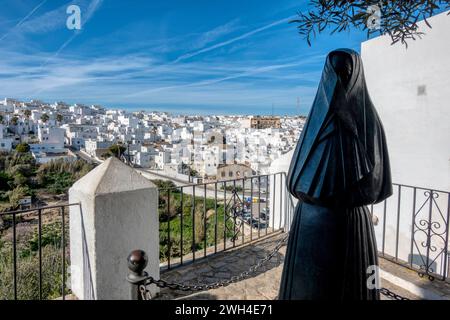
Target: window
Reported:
[(223, 174), (422, 90), (230, 174)]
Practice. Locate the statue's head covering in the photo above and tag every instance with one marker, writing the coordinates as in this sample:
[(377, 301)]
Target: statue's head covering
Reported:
[(341, 157)]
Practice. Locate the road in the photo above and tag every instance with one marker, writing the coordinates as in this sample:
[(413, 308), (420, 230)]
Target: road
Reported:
[(200, 189), (83, 155)]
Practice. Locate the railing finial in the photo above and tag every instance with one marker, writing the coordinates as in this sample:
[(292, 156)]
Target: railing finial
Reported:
[(137, 261)]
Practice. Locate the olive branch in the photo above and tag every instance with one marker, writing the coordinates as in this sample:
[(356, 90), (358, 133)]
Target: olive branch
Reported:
[(399, 19)]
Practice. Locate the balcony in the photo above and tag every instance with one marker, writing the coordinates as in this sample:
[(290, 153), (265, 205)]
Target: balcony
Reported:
[(215, 240)]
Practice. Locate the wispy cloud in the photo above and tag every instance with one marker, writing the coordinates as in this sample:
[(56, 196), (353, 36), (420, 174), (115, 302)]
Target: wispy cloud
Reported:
[(247, 73), (216, 33), (23, 19), (108, 80), (92, 8), (162, 67), (230, 41)]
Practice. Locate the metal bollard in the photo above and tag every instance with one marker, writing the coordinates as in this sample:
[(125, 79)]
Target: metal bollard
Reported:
[(137, 262)]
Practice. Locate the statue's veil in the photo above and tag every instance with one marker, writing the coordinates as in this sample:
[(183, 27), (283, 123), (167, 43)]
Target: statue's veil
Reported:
[(341, 157)]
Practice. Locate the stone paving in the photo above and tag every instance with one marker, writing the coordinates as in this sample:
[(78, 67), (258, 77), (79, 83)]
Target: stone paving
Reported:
[(431, 290), (222, 266), (263, 285)]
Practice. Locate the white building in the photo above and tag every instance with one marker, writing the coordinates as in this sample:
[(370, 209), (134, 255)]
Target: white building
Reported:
[(50, 140), (162, 158), (144, 159), (95, 147), (5, 143), (7, 105), (409, 88)]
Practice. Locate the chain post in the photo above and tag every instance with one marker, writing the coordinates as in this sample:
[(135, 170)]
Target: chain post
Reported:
[(137, 261)]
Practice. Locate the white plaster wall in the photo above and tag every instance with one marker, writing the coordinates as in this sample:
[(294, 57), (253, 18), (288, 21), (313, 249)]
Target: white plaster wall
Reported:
[(134, 226), (417, 127), (418, 136), (282, 203), (118, 213)]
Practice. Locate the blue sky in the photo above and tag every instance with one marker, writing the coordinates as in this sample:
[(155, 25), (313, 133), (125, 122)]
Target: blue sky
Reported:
[(191, 57)]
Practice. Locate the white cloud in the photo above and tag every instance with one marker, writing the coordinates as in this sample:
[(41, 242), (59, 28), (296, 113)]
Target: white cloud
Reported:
[(230, 41)]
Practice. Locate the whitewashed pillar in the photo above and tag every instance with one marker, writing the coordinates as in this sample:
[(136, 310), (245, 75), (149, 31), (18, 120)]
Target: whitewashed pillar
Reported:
[(118, 213), (282, 204)]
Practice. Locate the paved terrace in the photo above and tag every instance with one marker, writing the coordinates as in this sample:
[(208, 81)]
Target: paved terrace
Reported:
[(264, 284)]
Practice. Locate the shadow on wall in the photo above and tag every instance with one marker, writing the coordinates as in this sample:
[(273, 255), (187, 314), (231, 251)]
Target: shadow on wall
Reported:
[(89, 283)]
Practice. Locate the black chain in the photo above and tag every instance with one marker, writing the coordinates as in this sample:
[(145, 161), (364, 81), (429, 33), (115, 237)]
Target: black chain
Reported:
[(388, 293), (183, 287)]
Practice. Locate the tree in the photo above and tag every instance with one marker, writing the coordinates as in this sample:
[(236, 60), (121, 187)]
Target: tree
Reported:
[(1, 118), (396, 18), (117, 150), (45, 117), (59, 117), (14, 120), (165, 185), (23, 147), (27, 113), (193, 172)]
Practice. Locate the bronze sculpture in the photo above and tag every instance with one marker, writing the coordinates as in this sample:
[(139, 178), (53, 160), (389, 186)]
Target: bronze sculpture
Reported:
[(340, 166)]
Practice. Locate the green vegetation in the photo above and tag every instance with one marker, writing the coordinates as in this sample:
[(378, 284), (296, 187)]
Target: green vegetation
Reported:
[(171, 213), (115, 150), (232, 188), (21, 176), (58, 176), (45, 117), (28, 262), (22, 148)]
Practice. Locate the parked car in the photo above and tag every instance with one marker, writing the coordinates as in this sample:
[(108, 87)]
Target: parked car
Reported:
[(262, 225), (264, 216)]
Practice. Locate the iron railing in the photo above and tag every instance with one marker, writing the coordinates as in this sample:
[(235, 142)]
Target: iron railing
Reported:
[(199, 220), (34, 253), (412, 229)]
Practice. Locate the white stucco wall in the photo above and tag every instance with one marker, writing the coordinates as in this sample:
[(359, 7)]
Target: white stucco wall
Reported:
[(282, 203), (417, 126), (118, 213), (418, 135)]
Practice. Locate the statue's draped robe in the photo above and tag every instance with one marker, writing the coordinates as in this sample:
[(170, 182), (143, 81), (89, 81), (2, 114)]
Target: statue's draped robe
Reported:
[(340, 165)]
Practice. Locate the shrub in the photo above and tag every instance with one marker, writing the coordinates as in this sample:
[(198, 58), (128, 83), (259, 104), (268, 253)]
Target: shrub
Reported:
[(28, 275), (28, 264), (16, 194), (23, 147)]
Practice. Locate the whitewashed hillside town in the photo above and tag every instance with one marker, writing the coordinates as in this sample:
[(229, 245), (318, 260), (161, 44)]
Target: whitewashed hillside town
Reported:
[(202, 147)]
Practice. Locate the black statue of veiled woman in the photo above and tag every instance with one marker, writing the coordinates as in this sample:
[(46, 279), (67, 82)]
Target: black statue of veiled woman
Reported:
[(340, 165)]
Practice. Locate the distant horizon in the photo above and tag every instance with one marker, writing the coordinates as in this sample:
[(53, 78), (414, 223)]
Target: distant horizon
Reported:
[(189, 111)]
